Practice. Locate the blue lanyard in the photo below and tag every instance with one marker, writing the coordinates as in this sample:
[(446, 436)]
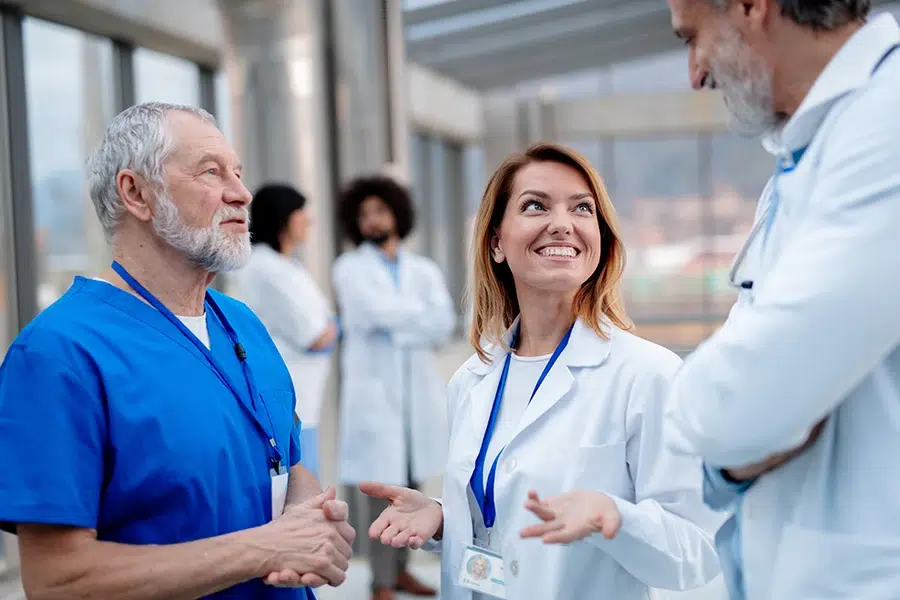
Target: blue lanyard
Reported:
[(274, 454), (784, 166), (484, 495)]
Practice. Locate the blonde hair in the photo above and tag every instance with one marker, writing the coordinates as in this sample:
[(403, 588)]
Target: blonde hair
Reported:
[(495, 304)]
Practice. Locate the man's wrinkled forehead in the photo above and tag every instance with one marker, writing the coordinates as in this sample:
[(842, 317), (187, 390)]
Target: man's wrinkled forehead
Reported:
[(195, 138)]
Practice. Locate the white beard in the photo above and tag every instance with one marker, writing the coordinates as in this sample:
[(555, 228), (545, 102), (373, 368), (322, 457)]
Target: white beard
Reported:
[(211, 248), (746, 84)]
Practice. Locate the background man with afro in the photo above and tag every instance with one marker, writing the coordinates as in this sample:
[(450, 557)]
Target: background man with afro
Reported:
[(395, 309)]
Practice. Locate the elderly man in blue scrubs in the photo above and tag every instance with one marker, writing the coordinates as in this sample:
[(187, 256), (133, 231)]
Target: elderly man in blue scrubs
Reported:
[(146, 422)]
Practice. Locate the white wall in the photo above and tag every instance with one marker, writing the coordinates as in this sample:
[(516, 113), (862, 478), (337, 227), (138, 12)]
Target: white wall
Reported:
[(440, 105)]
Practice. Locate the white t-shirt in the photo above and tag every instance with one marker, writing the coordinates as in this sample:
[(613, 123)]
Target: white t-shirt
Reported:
[(523, 375)]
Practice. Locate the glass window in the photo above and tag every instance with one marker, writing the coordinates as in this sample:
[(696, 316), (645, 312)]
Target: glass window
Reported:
[(7, 283), (591, 150), (476, 178), (164, 78), (580, 84), (223, 105), (657, 188), (664, 72), (63, 63)]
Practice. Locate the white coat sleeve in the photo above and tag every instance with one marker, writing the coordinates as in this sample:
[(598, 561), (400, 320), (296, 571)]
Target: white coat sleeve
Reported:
[(373, 306), (826, 316), (666, 536), (438, 325), (296, 322)]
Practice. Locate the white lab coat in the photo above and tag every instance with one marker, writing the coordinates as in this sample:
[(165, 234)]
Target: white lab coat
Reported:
[(292, 307), (595, 424), (818, 335), (392, 394)]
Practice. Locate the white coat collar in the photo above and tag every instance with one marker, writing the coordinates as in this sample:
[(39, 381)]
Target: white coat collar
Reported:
[(847, 71), (585, 349), (371, 249), (381, 264)]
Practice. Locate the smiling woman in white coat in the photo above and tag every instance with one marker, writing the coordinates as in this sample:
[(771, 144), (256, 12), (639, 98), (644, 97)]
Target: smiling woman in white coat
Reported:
[(556, 421)]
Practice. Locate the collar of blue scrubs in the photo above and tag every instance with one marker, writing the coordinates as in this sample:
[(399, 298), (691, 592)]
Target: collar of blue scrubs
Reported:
[(585, 349), (847, 71)]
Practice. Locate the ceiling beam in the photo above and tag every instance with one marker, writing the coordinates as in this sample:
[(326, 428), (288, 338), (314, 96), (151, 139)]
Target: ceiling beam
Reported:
[(650, 29), (494, 74), (487, 23), (449, 9), (526, 38)]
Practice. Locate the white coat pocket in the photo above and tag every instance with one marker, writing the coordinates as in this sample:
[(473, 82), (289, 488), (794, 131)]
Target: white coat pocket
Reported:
[(832, 566), (601, 468)]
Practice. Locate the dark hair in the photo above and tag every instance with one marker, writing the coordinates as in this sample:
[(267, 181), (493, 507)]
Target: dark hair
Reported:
[(820, 15), (272, 207), (394, 195)]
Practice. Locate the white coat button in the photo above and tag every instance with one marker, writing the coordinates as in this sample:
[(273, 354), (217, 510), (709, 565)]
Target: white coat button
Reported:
[(514, 568), (511, 465)]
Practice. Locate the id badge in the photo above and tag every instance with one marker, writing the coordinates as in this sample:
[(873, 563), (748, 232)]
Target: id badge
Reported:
[(482, 571), (279, 493)]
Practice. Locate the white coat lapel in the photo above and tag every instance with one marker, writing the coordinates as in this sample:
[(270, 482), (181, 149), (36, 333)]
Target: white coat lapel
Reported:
[(585, 349), (377, 265), (480, 400), (405, 275), (556, 384)]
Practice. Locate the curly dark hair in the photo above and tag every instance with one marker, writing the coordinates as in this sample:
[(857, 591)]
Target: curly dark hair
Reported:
[(394, 195)]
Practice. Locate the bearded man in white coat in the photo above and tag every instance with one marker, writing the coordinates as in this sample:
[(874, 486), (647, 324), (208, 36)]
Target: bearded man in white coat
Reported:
[(794, 404), (395, 309)]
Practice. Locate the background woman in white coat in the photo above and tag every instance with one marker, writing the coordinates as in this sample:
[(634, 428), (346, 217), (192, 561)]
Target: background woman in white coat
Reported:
[(562, 402), (279, 289)]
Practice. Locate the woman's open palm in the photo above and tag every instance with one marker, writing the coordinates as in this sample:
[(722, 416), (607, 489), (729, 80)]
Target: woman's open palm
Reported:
[(411, 519)]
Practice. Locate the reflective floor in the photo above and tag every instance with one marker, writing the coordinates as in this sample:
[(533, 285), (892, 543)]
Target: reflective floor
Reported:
[(356, 587)]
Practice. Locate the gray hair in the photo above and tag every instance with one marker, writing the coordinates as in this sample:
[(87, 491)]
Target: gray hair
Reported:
[(819, 15), (138, 139)]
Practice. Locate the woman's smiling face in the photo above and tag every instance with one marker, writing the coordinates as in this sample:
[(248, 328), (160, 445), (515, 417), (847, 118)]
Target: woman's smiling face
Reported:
[(549, 235)]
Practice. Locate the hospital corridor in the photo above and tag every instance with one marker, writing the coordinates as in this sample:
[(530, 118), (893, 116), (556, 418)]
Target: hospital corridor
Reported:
[(523, 286)]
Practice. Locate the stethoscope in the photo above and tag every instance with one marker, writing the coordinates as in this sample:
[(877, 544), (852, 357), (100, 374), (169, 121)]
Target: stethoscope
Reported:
[(741, 257), (763, 224)]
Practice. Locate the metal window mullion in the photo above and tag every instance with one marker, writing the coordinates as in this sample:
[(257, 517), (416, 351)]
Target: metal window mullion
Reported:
[(123, 75), (208, 100), (23, 234)]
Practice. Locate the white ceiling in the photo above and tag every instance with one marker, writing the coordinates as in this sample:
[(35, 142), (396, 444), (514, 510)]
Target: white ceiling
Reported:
[(495, 44)]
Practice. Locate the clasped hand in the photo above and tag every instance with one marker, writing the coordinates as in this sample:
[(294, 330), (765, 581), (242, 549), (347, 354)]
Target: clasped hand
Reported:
[(312, 543)]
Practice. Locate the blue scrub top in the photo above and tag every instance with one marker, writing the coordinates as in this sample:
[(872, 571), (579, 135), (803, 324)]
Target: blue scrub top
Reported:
[(111, 419)]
